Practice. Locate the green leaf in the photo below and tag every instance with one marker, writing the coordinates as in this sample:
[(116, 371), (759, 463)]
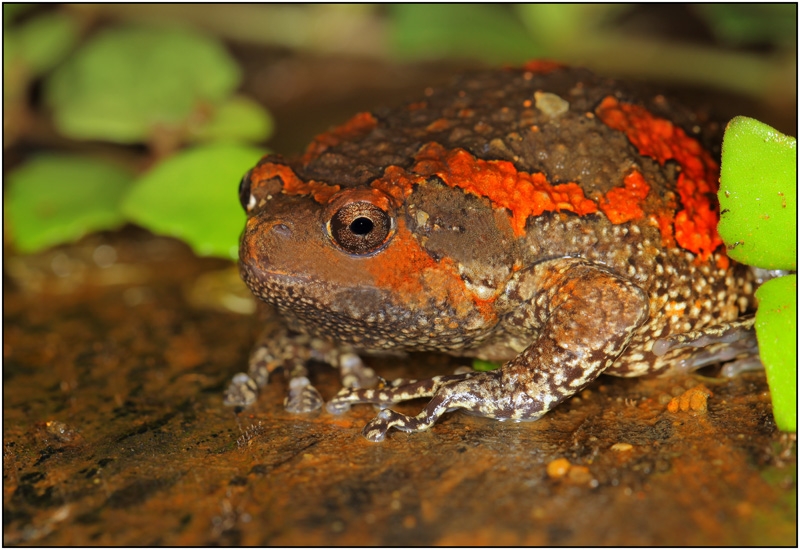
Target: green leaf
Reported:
[(483, 365), (58, 199), (193, 196), (46, 40), (128, 83), (758, 195), (776, 330), (741, 24), (556, 24), (238, 119), (473, 31), (32, 49)]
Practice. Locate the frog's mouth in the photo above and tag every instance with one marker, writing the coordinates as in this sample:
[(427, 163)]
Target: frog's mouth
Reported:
[(300, 293), (274, 287)]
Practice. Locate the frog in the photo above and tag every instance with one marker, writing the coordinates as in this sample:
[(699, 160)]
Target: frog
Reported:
[(555, 221)]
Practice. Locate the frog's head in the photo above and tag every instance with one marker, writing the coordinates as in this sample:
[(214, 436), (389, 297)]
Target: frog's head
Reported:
[(348, 264)]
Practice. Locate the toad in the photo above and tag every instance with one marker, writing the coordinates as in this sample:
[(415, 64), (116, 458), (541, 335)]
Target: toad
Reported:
[(541, 216)]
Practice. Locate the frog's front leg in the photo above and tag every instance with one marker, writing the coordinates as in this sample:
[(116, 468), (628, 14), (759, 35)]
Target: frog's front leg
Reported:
[(280, 348), (276, 348), (587, 317)]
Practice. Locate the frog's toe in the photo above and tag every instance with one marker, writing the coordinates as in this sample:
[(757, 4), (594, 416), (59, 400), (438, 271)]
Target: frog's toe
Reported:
[(340, 404), (443, 401), (746, 364), (738, 333), (387, 419), (303, 397), (355, 374), (346, 397), (241, 392)]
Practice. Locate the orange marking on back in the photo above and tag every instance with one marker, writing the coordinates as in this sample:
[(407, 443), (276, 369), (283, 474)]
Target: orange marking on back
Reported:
[(521, 193), (359, 125), (695, 227), (397, 183), (664, 221), (623, 204), (292, 185)]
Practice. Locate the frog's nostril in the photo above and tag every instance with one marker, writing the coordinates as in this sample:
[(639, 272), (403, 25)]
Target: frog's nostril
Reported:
[(282, 230)]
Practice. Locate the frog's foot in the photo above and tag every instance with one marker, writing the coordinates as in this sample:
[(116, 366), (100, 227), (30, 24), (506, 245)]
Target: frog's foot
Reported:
[(739, 332), (386, 393), (262, 364), (745, 364), (302, 396), (488, 394), (243, 389), (241, 392), (734, 341)]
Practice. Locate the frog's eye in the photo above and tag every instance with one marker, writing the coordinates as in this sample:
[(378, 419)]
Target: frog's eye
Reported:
[(246, 199), (360, 227)]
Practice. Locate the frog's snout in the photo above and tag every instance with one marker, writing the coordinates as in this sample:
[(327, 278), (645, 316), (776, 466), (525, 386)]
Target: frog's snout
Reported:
[(262, 237), (281, 230)]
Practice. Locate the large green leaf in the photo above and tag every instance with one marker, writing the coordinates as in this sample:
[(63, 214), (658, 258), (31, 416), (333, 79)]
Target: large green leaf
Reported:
[(56, 199), (776, 329), (758, 195), (758, 201), (128, 83), (193, 196)]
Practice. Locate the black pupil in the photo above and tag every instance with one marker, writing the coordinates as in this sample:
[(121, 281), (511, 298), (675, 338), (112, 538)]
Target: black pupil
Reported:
[(361, 226)]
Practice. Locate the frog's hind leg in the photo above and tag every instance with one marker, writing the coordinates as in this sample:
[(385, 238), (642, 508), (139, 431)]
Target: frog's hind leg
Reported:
[(733, 342)]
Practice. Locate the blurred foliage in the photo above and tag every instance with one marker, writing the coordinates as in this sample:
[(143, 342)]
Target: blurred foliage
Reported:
[(745, 24), (58, 198), (164, 87), (158, 76), (128, 83), (39, 43), (433, 31), (191, 196), (237, 119), (29, 50), (758, 201)]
